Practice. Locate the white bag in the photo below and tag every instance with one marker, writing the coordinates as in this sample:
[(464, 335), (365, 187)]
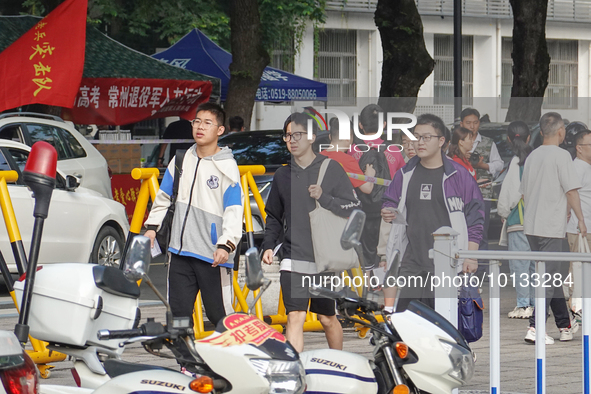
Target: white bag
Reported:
[(327, 229), (576, 301)]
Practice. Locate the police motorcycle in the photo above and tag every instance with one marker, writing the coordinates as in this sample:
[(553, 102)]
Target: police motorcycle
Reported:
[(415, 351), (86, 310)]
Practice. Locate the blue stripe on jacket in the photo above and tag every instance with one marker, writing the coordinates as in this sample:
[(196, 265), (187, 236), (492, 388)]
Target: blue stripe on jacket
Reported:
[(232, 196), (167, 182)]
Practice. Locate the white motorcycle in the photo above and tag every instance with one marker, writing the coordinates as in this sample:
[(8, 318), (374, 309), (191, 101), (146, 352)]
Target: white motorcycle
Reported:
[(72, 303)]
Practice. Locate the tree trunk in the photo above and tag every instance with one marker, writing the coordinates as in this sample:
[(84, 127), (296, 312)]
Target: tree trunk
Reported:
[(249, 58), (406, 61), (531, 62)]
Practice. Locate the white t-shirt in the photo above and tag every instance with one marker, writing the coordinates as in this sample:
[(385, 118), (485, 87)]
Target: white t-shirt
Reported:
[(548, 174), (583, 170)]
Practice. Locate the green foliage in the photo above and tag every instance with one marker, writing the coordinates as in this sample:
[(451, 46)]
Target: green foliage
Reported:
[(33, 7)]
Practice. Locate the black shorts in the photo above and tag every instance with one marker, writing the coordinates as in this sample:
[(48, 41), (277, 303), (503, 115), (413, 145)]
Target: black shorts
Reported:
[(296, 296)]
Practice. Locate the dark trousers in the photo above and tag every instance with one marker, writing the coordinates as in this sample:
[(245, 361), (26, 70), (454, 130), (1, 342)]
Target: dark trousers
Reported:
[(484, 242), (554, 294), (416, 289), (186, 277), (370, 237)]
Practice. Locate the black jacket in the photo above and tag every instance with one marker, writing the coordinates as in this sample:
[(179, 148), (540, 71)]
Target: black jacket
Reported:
[(289, 205)]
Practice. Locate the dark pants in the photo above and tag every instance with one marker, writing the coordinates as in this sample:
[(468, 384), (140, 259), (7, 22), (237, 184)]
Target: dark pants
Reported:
[(370, 237), (186, 277), (416, 289), (554, 294), (484, 242)]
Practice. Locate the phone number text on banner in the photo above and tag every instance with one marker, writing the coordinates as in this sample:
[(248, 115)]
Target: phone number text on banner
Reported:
[(278, 94)]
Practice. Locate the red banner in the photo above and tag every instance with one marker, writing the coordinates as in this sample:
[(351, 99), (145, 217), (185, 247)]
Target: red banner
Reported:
[(45, 65), (119, 101)]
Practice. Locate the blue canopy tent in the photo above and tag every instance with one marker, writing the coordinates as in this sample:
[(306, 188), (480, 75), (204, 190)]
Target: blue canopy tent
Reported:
[(196, 52)]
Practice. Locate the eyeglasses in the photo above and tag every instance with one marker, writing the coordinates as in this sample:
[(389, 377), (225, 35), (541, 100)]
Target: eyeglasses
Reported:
[(583, 144), (206, 124), (296, 136), (426, 137)]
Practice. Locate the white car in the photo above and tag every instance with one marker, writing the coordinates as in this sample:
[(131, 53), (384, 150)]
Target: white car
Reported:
[(82, 225), (76, 156)]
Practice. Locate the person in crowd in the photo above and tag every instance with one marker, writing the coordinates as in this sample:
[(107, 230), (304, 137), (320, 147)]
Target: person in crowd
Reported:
[(179, 130), (408, 149), (386, 161), (422, 193), (293, 195), (582, 164), (510, 208), (336, 151), (236, 124), (460, 147), (207, 222), (489, 164), (549, 185)]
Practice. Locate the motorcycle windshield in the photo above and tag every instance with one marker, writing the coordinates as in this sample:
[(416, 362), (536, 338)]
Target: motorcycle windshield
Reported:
[(430, 315), (243, 329)]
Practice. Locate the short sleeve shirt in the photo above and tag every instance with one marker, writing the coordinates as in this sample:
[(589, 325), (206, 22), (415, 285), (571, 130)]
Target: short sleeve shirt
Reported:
[(584, 173), (425, 213), (548, 174)]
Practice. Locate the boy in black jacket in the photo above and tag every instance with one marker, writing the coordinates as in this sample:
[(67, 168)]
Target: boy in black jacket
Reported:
[(292, 197)]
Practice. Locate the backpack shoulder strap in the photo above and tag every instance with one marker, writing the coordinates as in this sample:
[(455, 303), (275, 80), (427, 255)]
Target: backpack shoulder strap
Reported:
[(323, 168), (178, 171)]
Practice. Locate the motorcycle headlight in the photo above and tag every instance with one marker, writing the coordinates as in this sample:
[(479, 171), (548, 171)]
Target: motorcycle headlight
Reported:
[(285, 377), (462, 361)]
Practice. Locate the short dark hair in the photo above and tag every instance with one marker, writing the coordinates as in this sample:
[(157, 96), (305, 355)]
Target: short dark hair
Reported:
[(236, 123), (433, 121), (215, 109), (468, 112), (370, 118), (301, 119), (550, 122), (580, 136)]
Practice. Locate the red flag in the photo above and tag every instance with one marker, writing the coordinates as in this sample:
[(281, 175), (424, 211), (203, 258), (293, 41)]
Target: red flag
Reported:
[(45, 65)]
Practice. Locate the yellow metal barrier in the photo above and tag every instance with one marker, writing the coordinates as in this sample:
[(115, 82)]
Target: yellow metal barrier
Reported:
[(40, 354)]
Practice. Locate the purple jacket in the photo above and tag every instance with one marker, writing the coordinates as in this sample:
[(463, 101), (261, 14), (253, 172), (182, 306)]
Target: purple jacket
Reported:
[(462, 198)]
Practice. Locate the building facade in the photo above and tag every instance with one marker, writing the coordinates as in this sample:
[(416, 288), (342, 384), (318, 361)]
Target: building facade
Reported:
[(346, 53)]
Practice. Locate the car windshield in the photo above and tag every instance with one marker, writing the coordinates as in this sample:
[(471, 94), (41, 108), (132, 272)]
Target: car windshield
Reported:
[(257, 147)]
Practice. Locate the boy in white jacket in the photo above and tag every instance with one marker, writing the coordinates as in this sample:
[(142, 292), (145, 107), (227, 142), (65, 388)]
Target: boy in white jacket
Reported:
[(207, 222)]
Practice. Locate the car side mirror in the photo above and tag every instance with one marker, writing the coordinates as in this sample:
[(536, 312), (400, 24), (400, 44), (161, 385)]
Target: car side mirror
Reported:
[(254, 272), (352, 232), (137, 262), (72, 183)]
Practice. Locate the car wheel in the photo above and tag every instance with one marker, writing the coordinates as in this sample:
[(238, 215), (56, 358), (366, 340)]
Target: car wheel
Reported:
[(107, 248)]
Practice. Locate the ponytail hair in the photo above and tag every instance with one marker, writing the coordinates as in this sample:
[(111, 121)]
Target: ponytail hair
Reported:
[(518, 133), (459, 134)]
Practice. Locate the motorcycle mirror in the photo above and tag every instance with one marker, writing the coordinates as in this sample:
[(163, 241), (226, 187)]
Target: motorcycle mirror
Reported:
[(353, 228), (254, 272), (137, 262)]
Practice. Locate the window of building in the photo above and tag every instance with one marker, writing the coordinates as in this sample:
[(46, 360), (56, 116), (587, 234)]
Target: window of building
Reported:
[(283, 58), (444, 69), (336, 65), (562, 91)]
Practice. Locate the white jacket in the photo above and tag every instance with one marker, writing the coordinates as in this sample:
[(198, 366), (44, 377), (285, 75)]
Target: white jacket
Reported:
[(509, 196), (214, 216)]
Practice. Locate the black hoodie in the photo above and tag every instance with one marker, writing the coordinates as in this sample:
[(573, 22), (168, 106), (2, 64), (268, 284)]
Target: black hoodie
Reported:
[(289, 205)]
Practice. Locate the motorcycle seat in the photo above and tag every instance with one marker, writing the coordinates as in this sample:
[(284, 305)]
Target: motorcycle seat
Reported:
[(115, 367), (112, 280)]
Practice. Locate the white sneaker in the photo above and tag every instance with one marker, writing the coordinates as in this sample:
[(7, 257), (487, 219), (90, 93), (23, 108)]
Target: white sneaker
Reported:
[(566, 334), (530, 337), (529, 311), (519, 312), (576, 321)]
